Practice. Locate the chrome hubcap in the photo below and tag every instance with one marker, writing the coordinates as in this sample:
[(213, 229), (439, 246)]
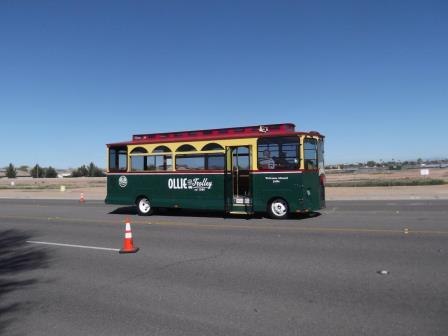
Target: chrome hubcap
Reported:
[(144, 205), (279, 208)]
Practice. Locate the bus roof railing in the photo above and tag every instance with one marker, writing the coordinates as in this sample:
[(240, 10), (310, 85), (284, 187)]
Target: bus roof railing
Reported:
[(216, 134), (245, 131)]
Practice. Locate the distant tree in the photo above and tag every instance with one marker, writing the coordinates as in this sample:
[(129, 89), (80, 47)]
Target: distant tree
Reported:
[(74, 173), (91, 171), (95, 171), (51, 172), (371, 163), (84, 170), (11, 171), (419, 161), (24, 168), (80, 172), (37, 171)]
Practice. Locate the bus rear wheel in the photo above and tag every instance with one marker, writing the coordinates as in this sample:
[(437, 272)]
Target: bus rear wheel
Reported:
[(144, 207), (278, 209)]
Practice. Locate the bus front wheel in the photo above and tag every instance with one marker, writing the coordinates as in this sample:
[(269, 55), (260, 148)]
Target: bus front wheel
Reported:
[(144, 207), (278, 209)]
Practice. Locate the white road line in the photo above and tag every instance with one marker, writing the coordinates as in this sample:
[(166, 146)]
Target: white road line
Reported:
[(70, 245)]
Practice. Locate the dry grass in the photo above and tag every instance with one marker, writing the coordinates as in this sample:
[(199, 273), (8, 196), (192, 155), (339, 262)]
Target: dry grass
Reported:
[(53, 183), (388, 178), (93, 188)]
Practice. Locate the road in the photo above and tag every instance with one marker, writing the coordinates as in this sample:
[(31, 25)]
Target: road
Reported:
[(201, 274)]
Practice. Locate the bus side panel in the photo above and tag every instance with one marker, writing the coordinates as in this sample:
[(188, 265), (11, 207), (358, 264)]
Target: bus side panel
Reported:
[(198, 191), (312, 192), (117, 194), (302, 191), (265, 187), (192, 191)]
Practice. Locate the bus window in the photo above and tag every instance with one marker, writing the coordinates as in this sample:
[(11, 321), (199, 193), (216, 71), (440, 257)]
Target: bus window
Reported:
[(310, 153), (112, 159), (279, 153), (122, 160), (138, 162), (159, 162), (214, 161), (190, 162), (200, 162), (118, 159), (241, 158)]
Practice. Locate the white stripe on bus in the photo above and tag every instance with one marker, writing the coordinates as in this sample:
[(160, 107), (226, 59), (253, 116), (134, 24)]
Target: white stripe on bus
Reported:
[(203, 173)]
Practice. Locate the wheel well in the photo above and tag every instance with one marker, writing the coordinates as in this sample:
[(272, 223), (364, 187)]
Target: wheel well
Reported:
[(140, 197)]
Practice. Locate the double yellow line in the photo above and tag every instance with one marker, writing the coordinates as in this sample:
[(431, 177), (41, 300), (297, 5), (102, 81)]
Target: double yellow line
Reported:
[(220, 226)]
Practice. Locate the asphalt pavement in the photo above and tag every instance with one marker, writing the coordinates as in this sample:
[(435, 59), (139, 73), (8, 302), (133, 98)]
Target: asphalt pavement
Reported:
[(357, 268)]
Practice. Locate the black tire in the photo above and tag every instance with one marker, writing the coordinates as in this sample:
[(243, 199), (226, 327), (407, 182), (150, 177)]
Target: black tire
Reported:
[(278, 209), (144, 207)]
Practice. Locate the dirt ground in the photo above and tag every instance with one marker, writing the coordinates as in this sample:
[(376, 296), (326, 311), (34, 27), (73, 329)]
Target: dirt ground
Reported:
[(408, 174), (95, 188), (388, 193)]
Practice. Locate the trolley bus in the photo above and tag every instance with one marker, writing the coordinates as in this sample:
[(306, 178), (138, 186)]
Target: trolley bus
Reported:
[(242, 170)]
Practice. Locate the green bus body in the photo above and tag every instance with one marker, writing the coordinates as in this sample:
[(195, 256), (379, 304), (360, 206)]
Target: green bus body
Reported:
[(301, 190)]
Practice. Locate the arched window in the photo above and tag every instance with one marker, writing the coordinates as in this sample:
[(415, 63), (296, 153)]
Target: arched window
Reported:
[(161, 149), (212, 146), (186, 148), (139, 150), (138, 161)]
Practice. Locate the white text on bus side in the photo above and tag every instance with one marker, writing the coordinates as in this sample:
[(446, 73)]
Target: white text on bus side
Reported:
[(195, 184), (177, 183)]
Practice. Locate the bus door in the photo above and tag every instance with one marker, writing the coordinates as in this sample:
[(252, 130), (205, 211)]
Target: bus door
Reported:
[(313, 186), (237, 180)]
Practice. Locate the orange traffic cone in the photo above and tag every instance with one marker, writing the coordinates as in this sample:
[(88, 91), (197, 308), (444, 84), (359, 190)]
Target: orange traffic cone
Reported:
[(81, 198), (128, 243)]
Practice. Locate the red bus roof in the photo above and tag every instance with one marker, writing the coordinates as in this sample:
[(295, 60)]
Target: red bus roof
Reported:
[(216, 133)]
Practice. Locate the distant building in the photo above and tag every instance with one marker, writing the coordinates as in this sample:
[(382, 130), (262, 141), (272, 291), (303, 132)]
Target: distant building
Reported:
[(62, 173)]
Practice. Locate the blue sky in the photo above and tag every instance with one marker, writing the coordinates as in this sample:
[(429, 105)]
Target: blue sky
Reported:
[(75, 75)]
